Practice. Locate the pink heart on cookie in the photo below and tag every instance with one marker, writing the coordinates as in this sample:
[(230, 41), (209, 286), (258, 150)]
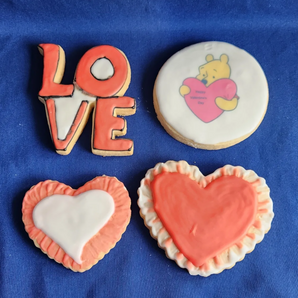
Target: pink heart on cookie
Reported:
[(201, 99)]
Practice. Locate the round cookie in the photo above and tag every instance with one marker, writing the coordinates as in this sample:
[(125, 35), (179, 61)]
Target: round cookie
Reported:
[(211, 95), (205, 223), (77, 227)]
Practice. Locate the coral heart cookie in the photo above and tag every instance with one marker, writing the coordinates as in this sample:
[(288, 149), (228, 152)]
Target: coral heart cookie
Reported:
[(211, 95), (101, 79), (77, 227), (205, 223)]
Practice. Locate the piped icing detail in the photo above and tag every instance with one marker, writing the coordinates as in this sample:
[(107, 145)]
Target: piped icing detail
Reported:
[(107, 126), (102, 88), (101, 243), (65, 121), (102, 69), (103, 73), (253, 227)]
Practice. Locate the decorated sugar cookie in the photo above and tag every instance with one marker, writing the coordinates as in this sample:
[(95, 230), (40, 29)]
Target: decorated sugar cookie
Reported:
[(211, 95), (205, 223), (77, 227), (101, 79)]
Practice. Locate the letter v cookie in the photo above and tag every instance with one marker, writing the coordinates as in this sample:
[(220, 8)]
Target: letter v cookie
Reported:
[(101, 79)]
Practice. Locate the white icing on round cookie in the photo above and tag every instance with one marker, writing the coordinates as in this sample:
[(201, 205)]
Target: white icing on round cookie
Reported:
[(102, 69), (67, 109), (71, 221), (224, 98)]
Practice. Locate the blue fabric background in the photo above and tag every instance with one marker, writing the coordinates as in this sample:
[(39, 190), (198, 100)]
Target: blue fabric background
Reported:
[(148, 32)]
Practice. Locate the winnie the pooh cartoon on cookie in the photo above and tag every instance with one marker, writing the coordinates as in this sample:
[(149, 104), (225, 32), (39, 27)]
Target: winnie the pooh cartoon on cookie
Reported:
[(212, 92)]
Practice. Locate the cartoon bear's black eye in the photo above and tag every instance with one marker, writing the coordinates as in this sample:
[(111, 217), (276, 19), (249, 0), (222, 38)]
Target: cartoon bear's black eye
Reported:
[(213, 77), (203, 75)]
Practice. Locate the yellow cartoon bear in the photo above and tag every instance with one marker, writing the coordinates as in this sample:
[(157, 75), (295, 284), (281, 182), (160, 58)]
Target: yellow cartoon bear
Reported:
[(210, 72)]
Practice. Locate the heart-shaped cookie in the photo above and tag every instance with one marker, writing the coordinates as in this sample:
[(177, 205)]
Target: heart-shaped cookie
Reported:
[(201, 99), (206, 224), (77, 227)]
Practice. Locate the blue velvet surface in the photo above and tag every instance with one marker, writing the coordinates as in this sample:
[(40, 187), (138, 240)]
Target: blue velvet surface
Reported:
[(148, 32)]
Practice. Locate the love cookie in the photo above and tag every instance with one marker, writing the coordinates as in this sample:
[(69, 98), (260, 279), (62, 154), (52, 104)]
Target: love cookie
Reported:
[(77, 227), (205, 224), (211, 95), (101, 79)]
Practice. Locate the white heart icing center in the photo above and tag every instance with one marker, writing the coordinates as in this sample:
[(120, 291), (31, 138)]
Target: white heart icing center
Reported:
[(71, 221)]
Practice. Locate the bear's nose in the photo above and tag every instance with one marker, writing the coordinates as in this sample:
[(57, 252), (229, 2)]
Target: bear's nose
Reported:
[(204, 81)]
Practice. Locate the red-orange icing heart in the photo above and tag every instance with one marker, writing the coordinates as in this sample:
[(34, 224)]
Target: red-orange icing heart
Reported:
[(203, 222)]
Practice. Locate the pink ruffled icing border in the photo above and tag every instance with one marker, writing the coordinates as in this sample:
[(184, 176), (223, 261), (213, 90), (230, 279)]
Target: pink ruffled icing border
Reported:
[(101, 243)]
